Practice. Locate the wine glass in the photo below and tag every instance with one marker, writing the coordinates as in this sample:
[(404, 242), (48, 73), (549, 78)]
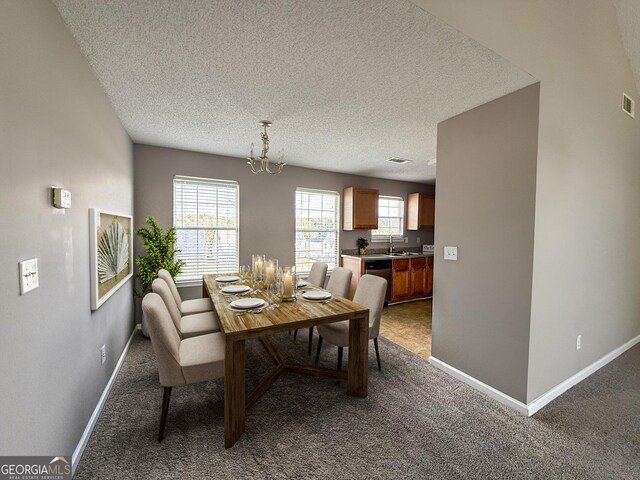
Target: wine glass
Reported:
[(245, 270), (257, 282), (273, 291)]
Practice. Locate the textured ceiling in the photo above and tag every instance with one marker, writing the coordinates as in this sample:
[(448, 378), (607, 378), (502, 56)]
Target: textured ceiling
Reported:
[(629, 20), (347, 84)]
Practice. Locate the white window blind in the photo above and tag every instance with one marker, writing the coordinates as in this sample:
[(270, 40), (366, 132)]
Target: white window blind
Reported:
[(205, 215), (317, 226), (390, 219)]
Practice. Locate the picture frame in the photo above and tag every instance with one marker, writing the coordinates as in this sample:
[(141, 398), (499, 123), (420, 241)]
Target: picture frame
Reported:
[(111, 250)]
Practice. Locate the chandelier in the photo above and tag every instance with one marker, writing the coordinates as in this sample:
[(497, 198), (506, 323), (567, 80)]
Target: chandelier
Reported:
[(261, 163)]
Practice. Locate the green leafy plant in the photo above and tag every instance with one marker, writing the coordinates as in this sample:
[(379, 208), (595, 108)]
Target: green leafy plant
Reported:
[(161, 252), (362, 242)]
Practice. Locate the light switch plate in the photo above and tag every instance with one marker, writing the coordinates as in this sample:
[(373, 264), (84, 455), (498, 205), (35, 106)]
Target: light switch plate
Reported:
[(451, 253), (28, 275)]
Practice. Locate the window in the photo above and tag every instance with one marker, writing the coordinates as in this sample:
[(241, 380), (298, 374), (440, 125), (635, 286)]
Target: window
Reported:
[(205, 215), (316, 228), (390, 219)]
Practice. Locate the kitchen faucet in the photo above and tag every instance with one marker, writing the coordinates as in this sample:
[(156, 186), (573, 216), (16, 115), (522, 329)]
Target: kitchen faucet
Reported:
[(390, 243)]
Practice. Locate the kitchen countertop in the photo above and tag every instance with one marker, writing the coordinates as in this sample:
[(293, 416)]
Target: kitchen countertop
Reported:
[(385, 256)]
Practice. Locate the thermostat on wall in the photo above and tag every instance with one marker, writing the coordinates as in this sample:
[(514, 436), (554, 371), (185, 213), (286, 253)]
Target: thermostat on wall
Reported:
[(61, 198)]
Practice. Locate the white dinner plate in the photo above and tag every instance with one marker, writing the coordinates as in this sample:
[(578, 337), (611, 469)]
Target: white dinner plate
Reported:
[(227, 279), (231, 289), (316, 295), (302, 283), (247, 303)]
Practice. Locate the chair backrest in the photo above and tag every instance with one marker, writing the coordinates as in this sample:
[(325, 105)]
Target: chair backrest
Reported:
[(370, 293), (160, 287), (318, 274), (339, 281), (166, 276), (164, 338)]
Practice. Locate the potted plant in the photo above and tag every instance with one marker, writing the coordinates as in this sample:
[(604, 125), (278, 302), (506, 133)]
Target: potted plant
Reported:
[(160, 248), (363, 243)]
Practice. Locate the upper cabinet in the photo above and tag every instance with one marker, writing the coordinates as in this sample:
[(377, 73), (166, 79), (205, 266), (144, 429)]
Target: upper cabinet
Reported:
[(420, 211), (359, 209)]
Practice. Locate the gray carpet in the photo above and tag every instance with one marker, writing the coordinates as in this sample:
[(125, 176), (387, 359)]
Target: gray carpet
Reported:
[(417, 422)]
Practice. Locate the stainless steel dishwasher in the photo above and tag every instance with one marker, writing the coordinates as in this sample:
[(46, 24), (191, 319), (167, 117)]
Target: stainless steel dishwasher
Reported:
[(380, 268)]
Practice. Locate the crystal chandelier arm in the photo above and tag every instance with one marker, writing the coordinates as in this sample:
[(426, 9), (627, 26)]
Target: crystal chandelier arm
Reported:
[(279, 165), (251, 163)]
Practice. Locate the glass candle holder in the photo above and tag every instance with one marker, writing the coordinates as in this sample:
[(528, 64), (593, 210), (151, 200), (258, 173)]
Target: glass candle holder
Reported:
[(288, 283), (257, 266), (270, 271)]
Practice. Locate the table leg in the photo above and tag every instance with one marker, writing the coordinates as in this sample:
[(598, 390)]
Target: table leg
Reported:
[(358, 357), (234, 391)]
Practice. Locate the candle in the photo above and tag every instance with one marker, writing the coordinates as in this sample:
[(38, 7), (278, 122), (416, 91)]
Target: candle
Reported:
[(271, 273), (259, 266), (287, 285)]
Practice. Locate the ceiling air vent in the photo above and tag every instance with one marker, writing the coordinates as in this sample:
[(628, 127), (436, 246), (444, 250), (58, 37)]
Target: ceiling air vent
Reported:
[(628, 105), (399, 161)]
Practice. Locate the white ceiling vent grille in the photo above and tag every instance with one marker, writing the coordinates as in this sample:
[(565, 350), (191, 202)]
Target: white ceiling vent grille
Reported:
[(628, 105)]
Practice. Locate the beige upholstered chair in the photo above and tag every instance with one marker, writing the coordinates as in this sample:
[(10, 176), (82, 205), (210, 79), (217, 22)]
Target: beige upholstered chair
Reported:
[(318, 274), (339, 281), (186, 307), (317, 277), (338, 285), (187, 325), (180, 362), (370, 293)]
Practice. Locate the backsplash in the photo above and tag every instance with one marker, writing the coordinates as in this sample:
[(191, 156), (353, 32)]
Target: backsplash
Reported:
[(381, 250)]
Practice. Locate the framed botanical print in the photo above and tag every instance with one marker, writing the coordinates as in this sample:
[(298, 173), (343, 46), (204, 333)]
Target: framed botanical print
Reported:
[(111, 253)]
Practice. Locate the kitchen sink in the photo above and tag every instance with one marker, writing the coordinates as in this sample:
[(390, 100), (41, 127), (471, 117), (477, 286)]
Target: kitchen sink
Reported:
[(403, 254)]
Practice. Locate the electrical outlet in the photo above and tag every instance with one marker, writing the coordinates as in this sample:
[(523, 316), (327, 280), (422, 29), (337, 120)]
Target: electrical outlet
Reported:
[(579, 342), (103, 354), (406, 239), (418, 240)]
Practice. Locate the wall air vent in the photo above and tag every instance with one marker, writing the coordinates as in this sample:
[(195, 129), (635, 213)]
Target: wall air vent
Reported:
[(399, 161), (628, 105)]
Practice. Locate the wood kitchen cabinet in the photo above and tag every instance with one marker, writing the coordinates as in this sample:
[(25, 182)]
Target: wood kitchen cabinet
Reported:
[(418, 277), (359, 209), (412, 278), (420, 211), (401, 279)]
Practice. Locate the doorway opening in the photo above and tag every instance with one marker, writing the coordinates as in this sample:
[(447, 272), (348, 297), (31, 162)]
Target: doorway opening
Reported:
[(409, 325)]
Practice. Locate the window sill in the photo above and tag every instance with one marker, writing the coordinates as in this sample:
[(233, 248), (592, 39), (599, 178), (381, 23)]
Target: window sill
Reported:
[(190, 283), (396, 239)]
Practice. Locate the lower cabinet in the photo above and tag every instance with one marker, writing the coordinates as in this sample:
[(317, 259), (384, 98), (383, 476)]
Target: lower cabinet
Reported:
[(412, 278), (401, 279)]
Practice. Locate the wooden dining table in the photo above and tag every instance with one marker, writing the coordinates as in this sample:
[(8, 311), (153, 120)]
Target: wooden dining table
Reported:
[(286, 317)]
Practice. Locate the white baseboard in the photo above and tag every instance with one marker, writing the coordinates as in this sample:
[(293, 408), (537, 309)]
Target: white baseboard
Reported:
[(559, 389), (478, 385), (77, 454), (535, 405)]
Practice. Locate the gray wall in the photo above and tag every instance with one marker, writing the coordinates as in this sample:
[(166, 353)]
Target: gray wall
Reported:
[(267, 208), (485, 206), (586, 274), (56, 128)]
